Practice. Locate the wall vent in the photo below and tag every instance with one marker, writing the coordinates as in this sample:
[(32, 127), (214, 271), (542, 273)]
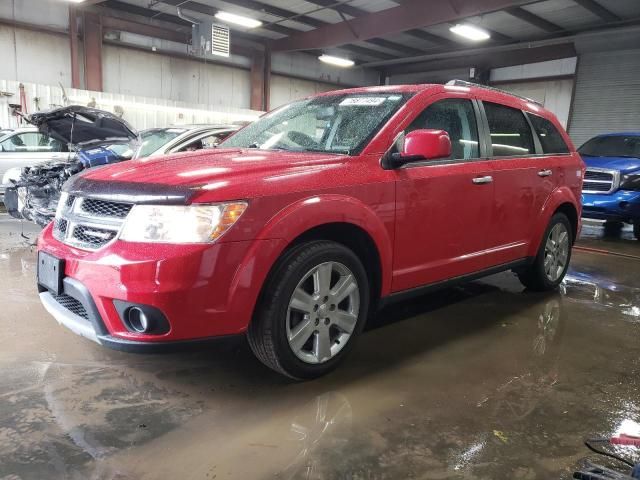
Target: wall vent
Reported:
[(220, 40)]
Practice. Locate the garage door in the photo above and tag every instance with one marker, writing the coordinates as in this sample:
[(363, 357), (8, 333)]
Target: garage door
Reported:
[(555, 95), (607, 95)]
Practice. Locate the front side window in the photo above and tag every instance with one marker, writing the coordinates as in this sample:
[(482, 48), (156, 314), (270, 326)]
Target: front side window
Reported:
[(550, 138), (342, 123), (612, 146), (510, 131), (457, 118)]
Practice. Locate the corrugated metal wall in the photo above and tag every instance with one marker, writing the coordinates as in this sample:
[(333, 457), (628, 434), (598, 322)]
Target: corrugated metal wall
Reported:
[(607, 96), (141, 112), (555, 95)]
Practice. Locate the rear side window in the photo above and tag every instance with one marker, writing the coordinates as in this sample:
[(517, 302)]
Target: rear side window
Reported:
[(510, 131), (550, 138)]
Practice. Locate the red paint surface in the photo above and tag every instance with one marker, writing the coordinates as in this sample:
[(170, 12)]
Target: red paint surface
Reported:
[(428, 223)]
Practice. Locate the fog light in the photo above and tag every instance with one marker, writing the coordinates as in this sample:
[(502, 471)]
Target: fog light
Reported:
[(138, 320)]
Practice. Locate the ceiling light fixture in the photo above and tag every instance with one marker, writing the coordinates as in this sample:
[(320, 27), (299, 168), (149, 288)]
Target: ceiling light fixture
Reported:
[(470, 32), (336, 61), (238, 19)]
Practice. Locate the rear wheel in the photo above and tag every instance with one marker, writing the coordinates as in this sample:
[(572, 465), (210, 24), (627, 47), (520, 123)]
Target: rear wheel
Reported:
[(311, 311), (552, 261)]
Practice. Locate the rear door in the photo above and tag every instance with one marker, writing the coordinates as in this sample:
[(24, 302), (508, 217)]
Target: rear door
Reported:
[(523, 177), (443, 206)]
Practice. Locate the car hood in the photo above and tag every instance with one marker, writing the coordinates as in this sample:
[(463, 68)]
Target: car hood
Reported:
[(218, 173), (623, 164), (83, 127)]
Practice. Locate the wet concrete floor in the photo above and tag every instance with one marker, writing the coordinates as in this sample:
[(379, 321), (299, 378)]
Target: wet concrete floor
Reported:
[(483, 381)]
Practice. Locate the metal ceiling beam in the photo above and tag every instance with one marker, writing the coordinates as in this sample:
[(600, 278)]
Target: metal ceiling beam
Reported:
[(598, 10), (404, 49), (141, 11), (500, 56), (535, 20), (121, 25), (411, 14)]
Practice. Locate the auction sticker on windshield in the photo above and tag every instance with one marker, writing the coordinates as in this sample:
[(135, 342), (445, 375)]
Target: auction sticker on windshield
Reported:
[(362, 101)]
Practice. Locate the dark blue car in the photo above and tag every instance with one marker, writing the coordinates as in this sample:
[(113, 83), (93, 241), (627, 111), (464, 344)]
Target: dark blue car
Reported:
[(611, 188)]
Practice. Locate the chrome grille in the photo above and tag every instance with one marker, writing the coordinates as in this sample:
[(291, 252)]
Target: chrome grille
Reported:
[(88, 223), (600, 180)]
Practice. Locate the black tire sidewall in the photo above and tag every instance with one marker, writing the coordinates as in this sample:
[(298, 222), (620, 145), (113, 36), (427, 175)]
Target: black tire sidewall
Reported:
[(539, 261), (288, 280)]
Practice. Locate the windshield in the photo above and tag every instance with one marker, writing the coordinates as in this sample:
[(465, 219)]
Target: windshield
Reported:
[(154, 139), (613, 146), (333, 124)]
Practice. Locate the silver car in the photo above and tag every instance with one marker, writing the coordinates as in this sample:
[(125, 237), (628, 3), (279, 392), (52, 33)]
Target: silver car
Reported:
[(162, 141), (25, 147)]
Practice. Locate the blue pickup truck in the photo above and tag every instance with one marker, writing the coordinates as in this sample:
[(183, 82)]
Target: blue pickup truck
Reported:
[(611, 189)]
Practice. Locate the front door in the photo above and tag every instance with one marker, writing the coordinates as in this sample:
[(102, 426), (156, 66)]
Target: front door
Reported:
[(443, 207)]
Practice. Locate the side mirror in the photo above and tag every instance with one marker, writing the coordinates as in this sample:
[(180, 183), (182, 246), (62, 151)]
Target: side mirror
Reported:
[(421, 145)]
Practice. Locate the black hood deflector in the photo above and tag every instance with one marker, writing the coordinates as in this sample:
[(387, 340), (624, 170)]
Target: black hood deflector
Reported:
[(83, 126)]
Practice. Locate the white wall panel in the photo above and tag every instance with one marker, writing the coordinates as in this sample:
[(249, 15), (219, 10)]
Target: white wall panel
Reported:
[(133, 72), (555, 95), (287, 89), (51, 13), (34, 56), (141, 111)]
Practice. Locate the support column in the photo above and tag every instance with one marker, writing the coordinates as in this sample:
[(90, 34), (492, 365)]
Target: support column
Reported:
[(92, 31), (260, 80), (73, 47)]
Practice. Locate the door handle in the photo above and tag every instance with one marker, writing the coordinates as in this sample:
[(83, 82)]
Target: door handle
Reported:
[(482, 180), (545, 173)]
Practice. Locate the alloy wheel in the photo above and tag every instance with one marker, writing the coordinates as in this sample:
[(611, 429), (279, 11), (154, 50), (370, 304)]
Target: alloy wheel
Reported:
[(556, 252), (323, 312)]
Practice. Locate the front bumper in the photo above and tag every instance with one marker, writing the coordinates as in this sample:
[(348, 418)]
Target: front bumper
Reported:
[(203, 291), (622, 206)]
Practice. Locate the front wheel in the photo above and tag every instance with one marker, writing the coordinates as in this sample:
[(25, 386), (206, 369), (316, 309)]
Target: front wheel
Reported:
[(312, 308), (552, 261)]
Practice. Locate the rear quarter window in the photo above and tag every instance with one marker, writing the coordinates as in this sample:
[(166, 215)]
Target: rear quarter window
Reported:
[(550, 138)]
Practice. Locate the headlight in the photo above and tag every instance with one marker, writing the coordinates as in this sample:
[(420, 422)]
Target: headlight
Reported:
[(180, 224), (630, 182)]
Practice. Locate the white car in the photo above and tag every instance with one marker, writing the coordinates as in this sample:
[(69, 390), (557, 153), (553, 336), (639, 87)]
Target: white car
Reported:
[(25, 147)]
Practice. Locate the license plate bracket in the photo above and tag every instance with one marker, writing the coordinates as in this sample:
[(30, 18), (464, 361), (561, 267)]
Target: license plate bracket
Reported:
[(50, 272)]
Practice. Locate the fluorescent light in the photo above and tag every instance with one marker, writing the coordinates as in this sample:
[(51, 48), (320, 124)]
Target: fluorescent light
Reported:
[(337, 61), (75, 1), (471, 32), (238, 19)]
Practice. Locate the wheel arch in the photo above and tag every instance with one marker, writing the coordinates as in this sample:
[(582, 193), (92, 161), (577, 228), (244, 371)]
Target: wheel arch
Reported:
[(561, 200)]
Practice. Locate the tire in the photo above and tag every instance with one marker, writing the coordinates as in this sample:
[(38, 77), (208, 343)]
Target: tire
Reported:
[(636, 229), (281, 321), (538, 278)]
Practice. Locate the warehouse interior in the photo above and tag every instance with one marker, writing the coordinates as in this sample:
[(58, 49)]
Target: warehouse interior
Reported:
[(482, 379)]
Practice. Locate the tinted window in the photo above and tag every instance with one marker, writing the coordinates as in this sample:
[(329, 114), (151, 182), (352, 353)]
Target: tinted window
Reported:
[(550, 138), (458, 119), (510, 132), (612, 146)]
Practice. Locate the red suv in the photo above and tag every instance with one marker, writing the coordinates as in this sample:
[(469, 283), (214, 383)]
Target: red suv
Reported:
[(304, 222)]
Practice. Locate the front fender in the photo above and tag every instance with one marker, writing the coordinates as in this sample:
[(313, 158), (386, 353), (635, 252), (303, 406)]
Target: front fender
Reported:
[(289, 223), (311, 212), (558, 197)]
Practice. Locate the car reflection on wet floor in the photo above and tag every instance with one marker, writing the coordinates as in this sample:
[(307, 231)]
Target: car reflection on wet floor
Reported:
[(478, 381)]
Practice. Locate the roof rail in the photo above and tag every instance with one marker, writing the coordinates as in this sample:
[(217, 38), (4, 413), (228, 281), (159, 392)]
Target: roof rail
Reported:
[(464, 83)]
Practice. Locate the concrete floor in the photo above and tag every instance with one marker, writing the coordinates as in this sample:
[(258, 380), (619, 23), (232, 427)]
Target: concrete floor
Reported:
[(481, 381)]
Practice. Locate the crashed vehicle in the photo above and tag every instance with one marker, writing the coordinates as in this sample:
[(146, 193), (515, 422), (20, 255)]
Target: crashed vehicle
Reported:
[(97, 138)]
